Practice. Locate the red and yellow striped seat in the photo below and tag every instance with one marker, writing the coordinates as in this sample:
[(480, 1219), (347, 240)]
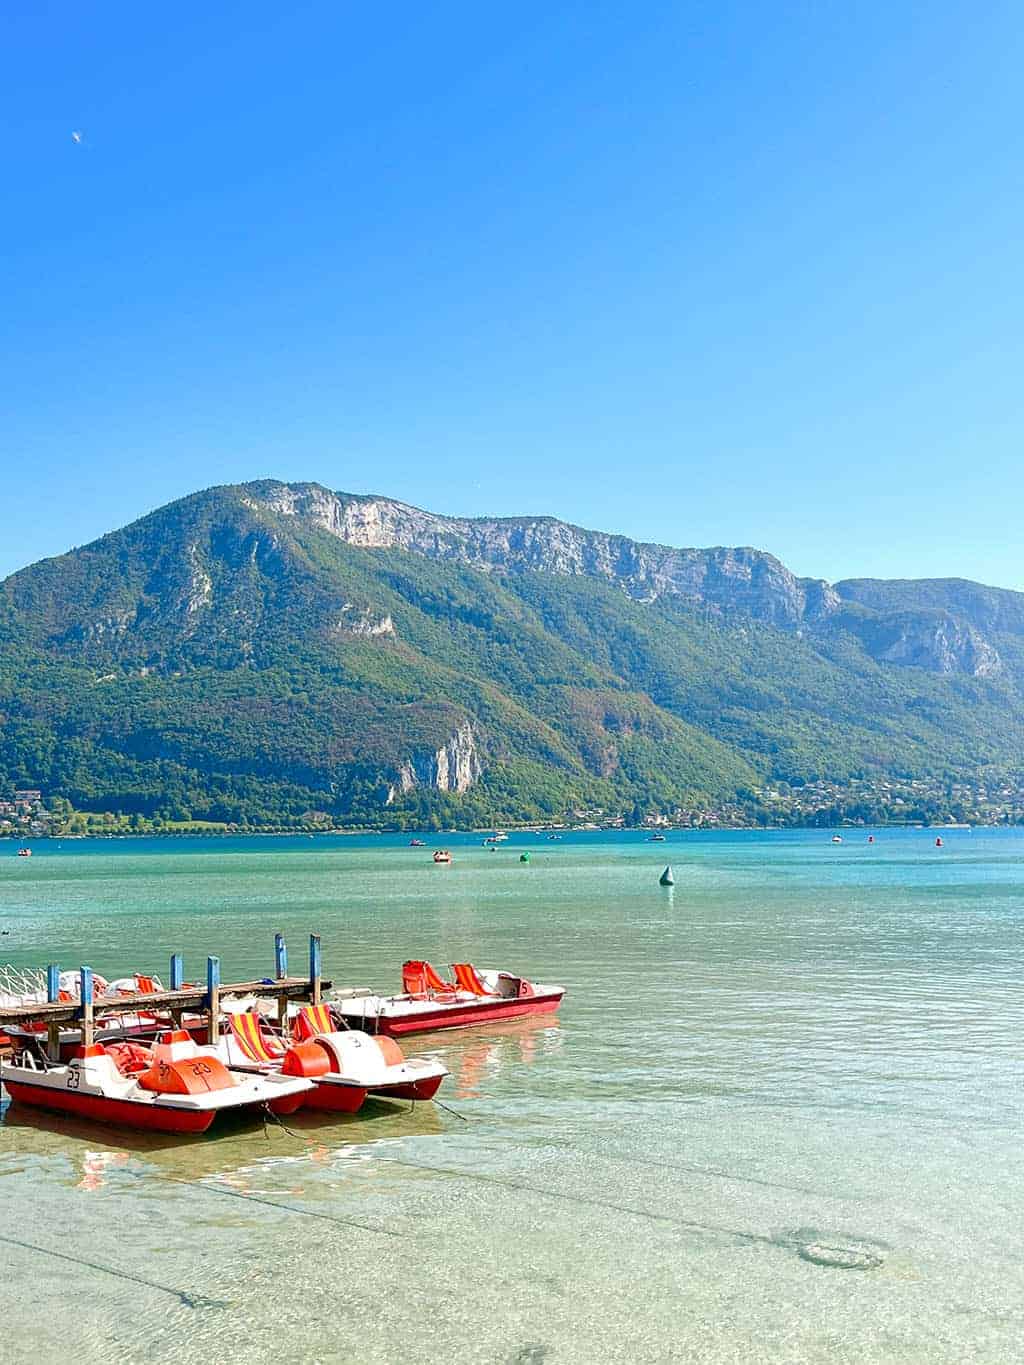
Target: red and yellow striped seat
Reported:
[(258, 1046), (312, 1020)]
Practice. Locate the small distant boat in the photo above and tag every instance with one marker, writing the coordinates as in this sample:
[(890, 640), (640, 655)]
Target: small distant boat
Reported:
[(871, 838), (441, 855), (666, 878), (938, 842), (416, 843), (554, 836), (837, 838), (656, 839), (24, 853)]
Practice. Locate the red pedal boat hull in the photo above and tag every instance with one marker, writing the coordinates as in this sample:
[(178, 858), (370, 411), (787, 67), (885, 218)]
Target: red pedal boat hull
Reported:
[(415, 1090), (288, 1104), (121, 1113), (482, 1011), (336, 1099)]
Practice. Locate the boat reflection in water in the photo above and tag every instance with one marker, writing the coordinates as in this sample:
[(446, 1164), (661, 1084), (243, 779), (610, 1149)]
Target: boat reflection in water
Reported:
[(477, 1058), (90, 1156)]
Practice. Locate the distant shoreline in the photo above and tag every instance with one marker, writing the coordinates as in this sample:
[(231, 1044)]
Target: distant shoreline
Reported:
[(437, 838)]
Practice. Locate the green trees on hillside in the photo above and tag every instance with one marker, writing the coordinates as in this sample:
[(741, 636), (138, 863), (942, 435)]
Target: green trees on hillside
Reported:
[(218, 661)]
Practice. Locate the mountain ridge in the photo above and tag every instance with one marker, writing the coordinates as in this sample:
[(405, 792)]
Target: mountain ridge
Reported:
[(270, 648)]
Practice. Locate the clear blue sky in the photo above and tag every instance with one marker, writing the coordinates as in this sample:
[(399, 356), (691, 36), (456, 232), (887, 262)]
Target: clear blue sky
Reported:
[(704, 274)]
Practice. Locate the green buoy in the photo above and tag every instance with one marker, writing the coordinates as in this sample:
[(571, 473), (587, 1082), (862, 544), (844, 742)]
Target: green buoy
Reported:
[(524, 857), (666, 878)]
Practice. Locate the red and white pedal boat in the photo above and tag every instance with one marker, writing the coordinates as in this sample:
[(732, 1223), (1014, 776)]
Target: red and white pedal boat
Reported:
[(428, 1002), (344, 1066), (174, 1087)]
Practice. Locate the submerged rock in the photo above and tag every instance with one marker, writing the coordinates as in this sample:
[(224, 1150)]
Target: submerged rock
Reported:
[(840, 1258)]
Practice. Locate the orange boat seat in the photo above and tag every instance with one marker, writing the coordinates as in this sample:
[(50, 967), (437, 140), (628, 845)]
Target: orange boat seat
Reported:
[(129, 1058), (469, 980), (190, 1076), (418, 978)]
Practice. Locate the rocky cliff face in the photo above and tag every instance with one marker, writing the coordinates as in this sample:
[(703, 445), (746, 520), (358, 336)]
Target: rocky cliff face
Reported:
[(453, 767), (932, 640), (942, 625), (363, 621), (939, 625), (727, 580), (996, 610)]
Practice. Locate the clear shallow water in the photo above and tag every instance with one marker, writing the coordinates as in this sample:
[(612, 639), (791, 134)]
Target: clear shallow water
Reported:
[(802, 1045)]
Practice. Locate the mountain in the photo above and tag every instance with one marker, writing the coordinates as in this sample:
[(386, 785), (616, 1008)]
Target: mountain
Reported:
[(260, 651)]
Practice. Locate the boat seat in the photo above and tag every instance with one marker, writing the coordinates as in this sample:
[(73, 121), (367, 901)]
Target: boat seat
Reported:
[(419, 978), (469, 979), (311, 1021), (129, 1058), (258, 1046)]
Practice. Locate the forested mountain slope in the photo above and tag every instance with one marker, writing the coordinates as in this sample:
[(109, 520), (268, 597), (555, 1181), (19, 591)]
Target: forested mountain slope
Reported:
[(259, 651)]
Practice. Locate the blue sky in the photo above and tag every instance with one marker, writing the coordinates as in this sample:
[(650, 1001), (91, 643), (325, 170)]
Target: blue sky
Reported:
[(703, 274)]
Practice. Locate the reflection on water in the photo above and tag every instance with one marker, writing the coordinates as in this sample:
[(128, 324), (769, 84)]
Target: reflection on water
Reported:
[(478, 1057), (777, 1118), (231, 1149)]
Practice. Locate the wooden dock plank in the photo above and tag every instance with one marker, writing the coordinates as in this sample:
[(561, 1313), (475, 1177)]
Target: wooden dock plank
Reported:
[(292, 988)]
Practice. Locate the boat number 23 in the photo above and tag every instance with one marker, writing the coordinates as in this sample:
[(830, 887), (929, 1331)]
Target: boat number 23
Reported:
[(73, 1079)]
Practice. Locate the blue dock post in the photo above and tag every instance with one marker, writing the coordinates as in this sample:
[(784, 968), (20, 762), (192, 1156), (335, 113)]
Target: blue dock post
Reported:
[(314, 968), (177, 980), (53, 995), (280, 972), (85, 995), (213, 1000)]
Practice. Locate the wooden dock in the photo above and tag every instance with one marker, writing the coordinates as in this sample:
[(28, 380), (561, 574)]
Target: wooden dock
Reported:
[(180, 999), (192, 999)]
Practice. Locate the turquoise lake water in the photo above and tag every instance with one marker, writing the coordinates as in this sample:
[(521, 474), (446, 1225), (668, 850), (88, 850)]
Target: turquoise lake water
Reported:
[(801, 1047)]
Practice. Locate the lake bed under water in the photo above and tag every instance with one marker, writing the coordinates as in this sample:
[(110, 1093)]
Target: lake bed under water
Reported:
[(777, 1119)]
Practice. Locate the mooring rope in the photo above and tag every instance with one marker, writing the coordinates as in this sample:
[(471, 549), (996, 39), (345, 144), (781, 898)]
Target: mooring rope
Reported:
[(183, 1296)]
